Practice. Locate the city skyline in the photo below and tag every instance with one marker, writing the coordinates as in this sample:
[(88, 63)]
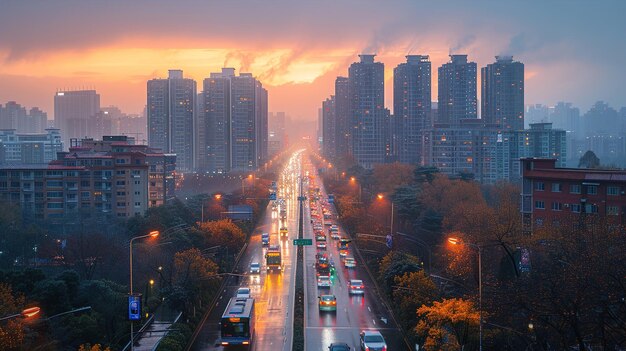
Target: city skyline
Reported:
[(302, 63)]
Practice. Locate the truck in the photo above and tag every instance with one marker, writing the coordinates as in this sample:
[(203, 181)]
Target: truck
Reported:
[(265, 239), (273, 259)]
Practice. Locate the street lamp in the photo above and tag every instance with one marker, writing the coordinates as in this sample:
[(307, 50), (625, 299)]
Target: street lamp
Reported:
[(380, 197), (26, 313), (152, 234), (354, 181), (457, 241)]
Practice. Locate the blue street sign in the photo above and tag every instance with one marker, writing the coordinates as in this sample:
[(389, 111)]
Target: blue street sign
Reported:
[(134, 307), (272, 196), (389, 240), (331, 198)]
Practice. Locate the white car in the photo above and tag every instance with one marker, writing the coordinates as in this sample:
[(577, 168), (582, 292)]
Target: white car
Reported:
[(355, 287), (349, 262), (323, 281), (372, 340), (255, 268), (243, 293), (321, 245)]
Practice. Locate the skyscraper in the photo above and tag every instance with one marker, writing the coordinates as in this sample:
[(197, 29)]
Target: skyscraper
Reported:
[(457, 90), (502, 95), (74, 113), (411, 107), (343, 125), (235, 122), (367, 110), (329, 125), (171, 112)]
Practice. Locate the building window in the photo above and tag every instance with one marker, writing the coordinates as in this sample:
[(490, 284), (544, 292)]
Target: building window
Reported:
[(137, 204), (575, 208), (85, 195), (557, 206), (556, 187), (137, 192), (540, 205), (121, 204), (574, 189), (120, 183), (85, 183), (540, 186), (120, 172), (592, 189), (539, 222), (121, 193), (590, 208), (612, 190), (55, 205), (612, 210)]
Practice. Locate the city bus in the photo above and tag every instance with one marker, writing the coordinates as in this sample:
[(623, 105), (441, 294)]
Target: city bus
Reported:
[(273, 258), (237, 324)]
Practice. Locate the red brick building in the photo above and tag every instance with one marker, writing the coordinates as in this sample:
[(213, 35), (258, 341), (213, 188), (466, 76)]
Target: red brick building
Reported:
[(560, 196)]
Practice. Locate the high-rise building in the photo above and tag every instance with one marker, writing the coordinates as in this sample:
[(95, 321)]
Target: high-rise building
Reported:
[(14, 116), (171, 117), (235, 123), (329, 126), (343, 126), (367, 110), (31, 148), (74, 113), (457, 91), (502, 98), (411, 107)]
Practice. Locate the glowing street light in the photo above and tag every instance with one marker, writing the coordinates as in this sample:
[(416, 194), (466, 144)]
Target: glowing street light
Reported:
[(152, 234), (458, 241)]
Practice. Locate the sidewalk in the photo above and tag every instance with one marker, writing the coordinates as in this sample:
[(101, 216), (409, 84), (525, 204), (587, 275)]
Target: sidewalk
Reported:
[(149, 339)]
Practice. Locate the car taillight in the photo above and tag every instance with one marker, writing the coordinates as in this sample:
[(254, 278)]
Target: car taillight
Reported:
[(334, 302), (385, 348), (224, 343), (248, 342)]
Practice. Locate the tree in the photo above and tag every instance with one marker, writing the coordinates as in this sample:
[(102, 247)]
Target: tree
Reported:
[(396, 264), (447, 325), (223, 232), (589, 160), (95, 347), (12, 332), (412, 290), (196, 275), (388, 177)]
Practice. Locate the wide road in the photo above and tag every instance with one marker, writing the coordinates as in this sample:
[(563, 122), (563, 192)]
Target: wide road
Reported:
[(272, 292), (354, 312)]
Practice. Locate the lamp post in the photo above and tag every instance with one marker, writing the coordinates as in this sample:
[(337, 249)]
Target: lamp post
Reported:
[(457, 241), (354, 181), (380, 197), (26, 313), (152, 234)]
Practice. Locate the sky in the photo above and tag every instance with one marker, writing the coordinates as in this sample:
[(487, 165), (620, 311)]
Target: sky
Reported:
[(572, 50)]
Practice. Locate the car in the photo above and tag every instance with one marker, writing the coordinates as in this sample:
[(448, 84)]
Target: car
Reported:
[(255, 268), (321, 245), (355, 287), (334, 228), (335, 235), (243, 293), (327, 303), (349, 262), (339, 346), (320, 237), (343, 253), (372, 340), (323, 281)]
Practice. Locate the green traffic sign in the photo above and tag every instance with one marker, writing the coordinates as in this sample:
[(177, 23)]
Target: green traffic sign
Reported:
[(303, 242)]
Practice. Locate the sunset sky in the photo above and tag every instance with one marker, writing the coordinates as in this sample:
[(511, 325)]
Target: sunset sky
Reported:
[(573, 50)]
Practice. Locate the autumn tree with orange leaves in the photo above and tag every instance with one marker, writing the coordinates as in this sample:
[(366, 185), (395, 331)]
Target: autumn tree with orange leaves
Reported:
[(450, 324)]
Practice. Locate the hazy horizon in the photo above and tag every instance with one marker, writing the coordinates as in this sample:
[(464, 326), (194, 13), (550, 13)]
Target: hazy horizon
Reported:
[(572, 50)]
